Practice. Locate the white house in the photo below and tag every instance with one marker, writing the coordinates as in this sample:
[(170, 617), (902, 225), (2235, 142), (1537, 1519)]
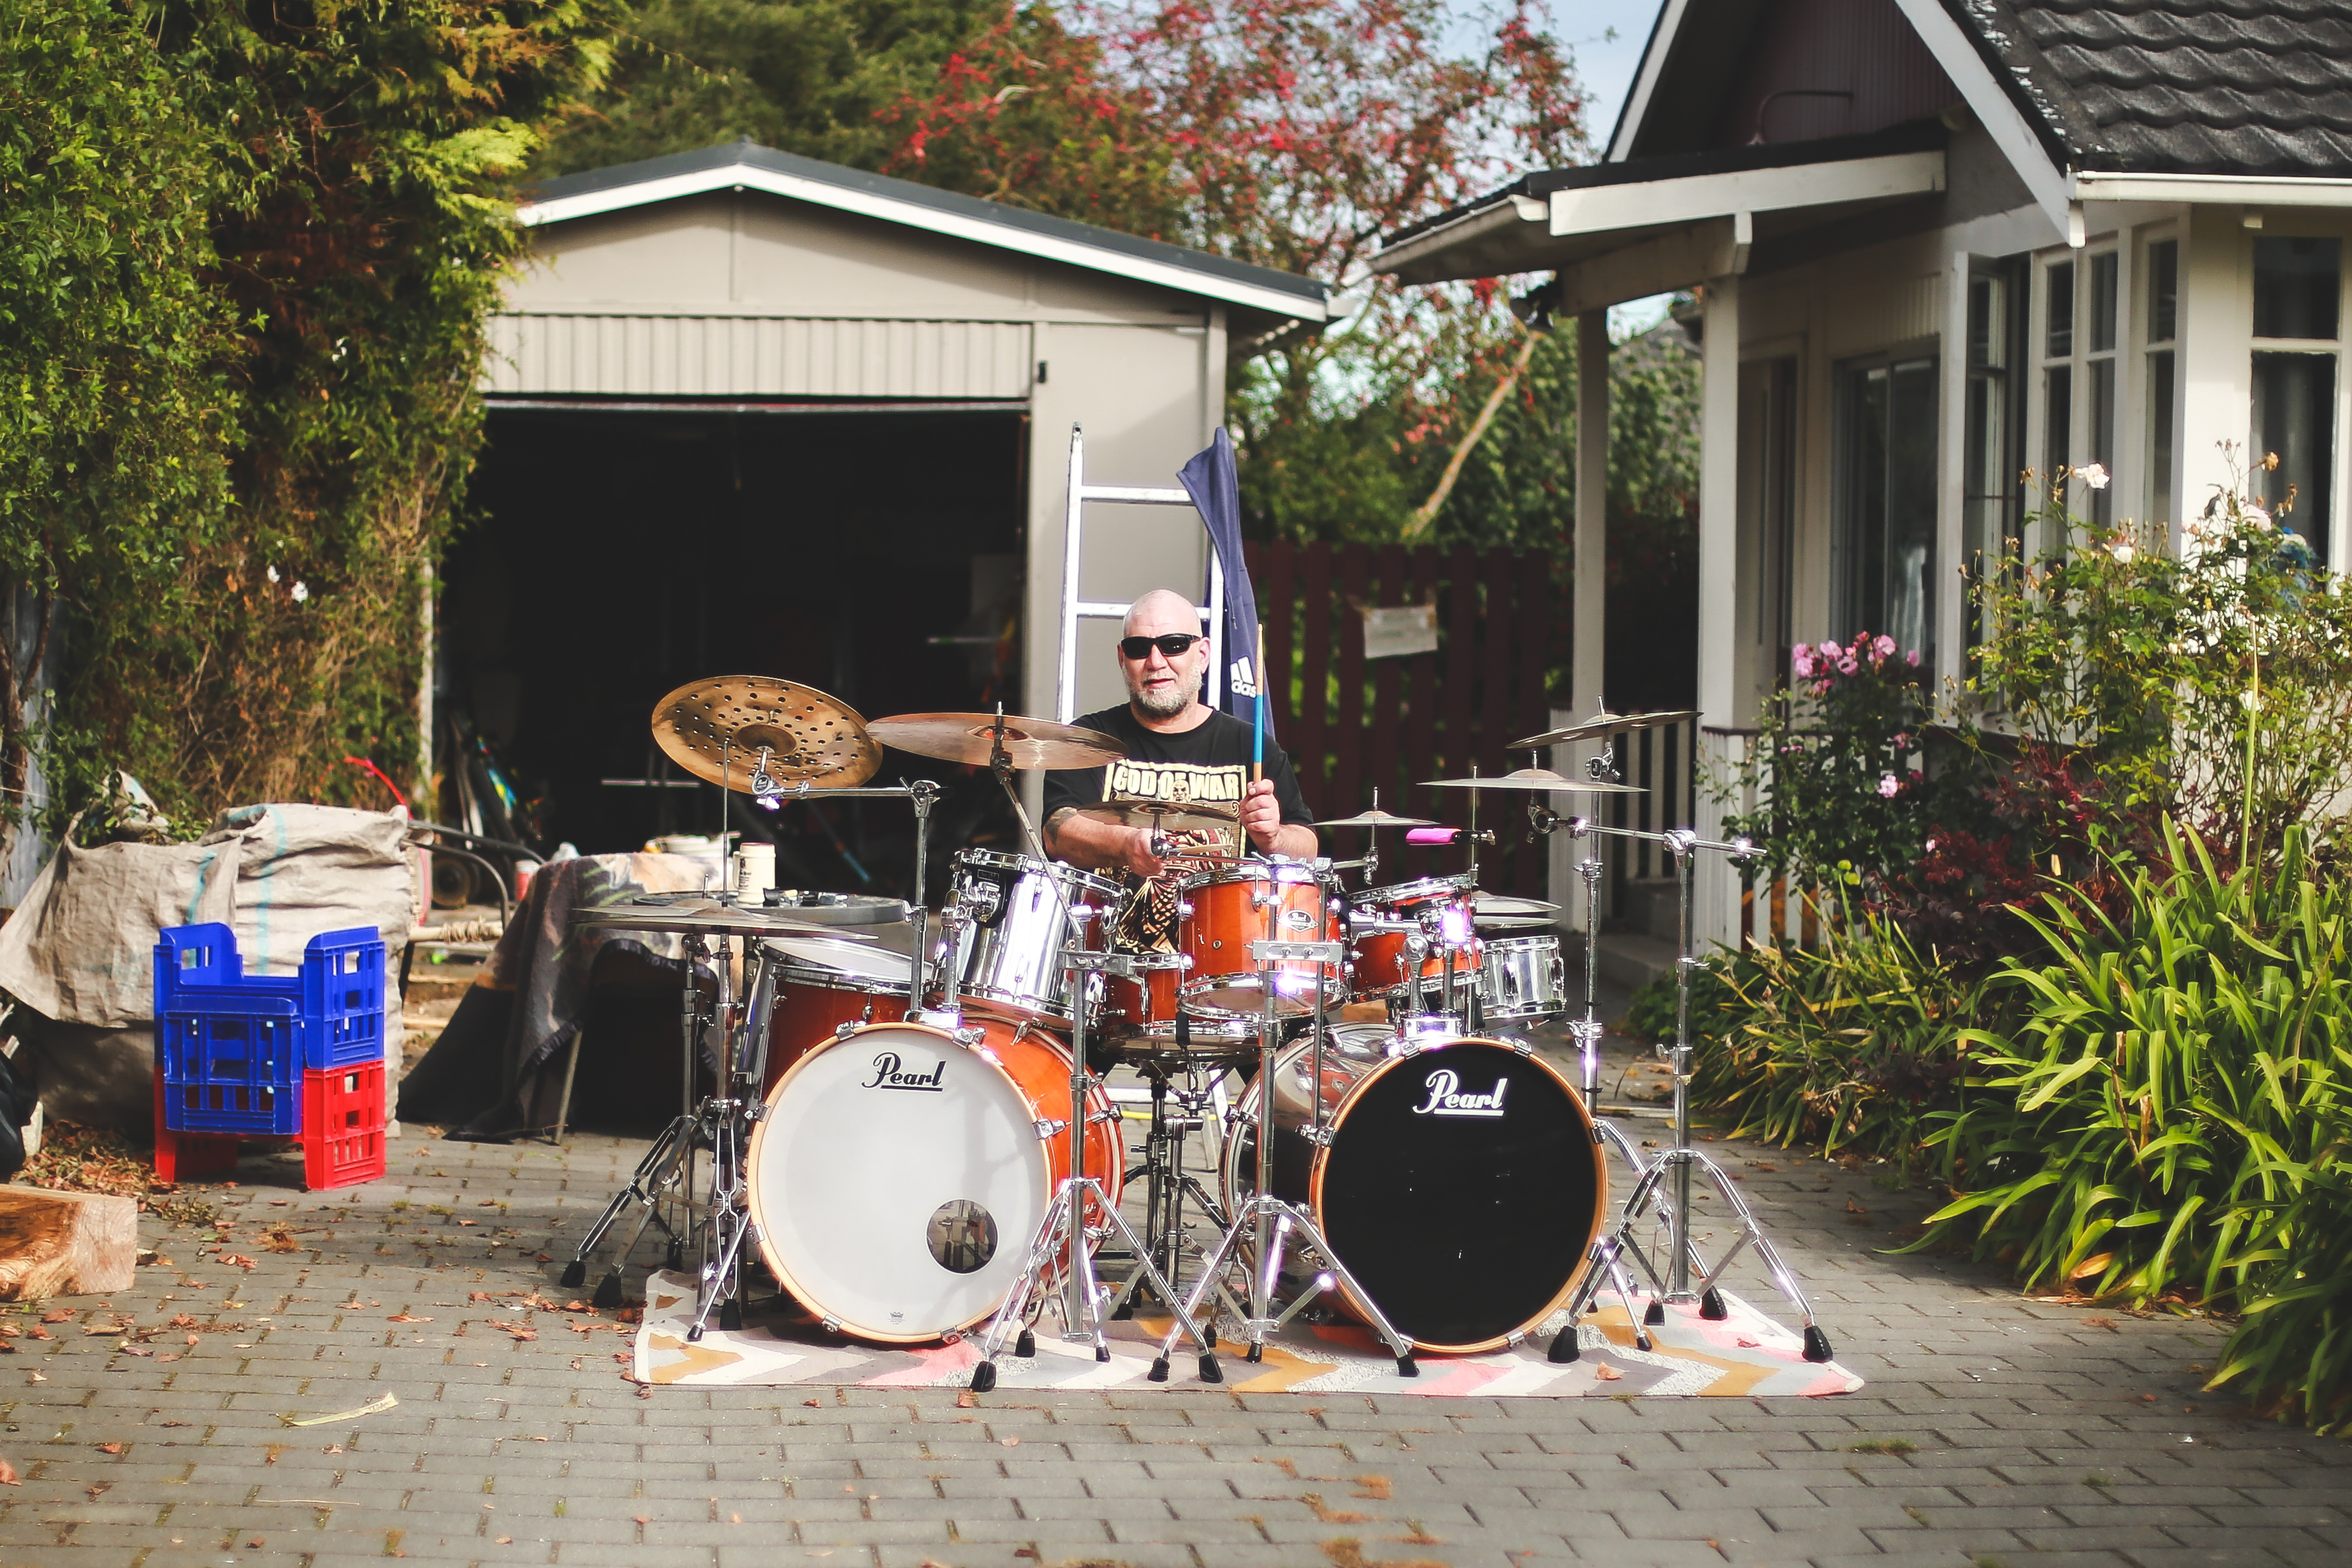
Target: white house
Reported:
[(1939, 242)]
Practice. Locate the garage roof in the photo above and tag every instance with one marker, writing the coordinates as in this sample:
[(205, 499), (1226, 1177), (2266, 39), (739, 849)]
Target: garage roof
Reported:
[(749, 166)]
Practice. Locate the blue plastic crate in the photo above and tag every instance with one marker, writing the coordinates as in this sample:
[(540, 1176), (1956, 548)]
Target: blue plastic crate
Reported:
[(233, 1047)]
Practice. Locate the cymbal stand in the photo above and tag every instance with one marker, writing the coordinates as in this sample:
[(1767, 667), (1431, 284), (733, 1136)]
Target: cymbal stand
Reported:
[(1672, 1170), (729, 1115), (1065, 1241), (1262, 1224), (667, 1168), (1588, 1030)]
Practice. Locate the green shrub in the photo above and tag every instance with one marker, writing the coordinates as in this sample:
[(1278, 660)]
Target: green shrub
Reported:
[(1848, 1045), (2165, 1120)]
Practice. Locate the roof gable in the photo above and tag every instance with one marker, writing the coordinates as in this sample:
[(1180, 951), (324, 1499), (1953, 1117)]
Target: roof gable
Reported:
[(748, 166)]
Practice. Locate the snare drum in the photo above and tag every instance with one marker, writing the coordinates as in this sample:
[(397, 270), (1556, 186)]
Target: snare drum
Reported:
[(1225, 911), (1017, 922), (814, 1002), (899, 1175), (1521, 977), (1138, 1016)]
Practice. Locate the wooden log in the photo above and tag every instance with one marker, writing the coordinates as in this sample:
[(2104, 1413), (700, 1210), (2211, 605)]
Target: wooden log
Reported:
[(65, 1244)]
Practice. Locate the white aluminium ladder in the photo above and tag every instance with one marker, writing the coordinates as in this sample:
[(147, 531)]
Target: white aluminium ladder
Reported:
[(1076, 609)]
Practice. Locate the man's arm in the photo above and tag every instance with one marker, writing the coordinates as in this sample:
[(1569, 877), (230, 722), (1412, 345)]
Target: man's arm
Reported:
[(1092, 845)]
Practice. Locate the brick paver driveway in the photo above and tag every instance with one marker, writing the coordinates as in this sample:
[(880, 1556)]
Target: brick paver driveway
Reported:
[(1994, 1429)]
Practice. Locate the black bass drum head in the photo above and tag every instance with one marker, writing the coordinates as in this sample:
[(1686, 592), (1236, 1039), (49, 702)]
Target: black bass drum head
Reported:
[(1462, 1187)]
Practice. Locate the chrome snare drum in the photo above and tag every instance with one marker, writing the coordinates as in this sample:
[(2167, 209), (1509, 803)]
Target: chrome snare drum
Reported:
[(1521, 977), (1017, 921)]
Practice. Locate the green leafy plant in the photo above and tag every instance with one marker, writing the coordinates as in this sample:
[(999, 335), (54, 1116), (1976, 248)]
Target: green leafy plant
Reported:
[(2173, 1079)]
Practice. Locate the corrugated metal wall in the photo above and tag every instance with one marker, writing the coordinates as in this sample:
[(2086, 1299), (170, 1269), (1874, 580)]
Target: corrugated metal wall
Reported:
[(756, 356)]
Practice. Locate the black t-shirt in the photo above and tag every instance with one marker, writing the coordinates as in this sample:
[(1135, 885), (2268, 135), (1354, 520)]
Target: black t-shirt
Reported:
[(1209, 764)]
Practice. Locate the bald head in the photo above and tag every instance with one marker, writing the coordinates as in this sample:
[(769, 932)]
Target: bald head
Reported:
[(1159, 611)]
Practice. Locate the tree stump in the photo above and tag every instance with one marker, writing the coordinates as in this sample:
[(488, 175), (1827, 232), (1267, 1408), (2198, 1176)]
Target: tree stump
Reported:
[(65, 1244)]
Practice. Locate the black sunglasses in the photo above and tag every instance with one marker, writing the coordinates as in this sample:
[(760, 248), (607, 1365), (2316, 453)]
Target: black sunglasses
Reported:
[(1171, 646)]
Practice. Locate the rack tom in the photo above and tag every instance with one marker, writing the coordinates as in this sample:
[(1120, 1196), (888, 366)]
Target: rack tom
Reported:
[(1017, 921), (1270, 900)]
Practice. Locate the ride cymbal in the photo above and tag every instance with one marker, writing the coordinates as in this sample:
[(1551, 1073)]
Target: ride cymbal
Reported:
[(1537, 779), (724, 729), (1376, 818), (1193, 818), (1494, 906), (971, 738), (1601, 725)]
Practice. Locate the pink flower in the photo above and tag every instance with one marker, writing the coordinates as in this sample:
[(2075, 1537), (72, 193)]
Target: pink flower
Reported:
[(1800, 661), (1912, 659), (1847, 665), (1887, 787), (1832, 652), (1931, 846), (2094, 475), (1884, 647)]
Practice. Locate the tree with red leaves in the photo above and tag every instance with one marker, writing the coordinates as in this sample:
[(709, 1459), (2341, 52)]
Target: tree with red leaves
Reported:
[(1293, 134)]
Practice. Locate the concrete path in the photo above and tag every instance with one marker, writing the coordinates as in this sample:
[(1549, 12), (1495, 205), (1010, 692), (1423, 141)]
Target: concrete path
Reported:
[(152, 1428)]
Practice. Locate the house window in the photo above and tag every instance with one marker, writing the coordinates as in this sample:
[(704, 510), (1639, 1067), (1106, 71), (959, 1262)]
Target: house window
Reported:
[(2298, 295), (1886, 501), (2081, 381), (2057, 370), (1989, 455), (2163, 333)]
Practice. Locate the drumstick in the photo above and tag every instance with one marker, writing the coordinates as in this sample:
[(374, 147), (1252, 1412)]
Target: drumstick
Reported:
[(1257, 711)]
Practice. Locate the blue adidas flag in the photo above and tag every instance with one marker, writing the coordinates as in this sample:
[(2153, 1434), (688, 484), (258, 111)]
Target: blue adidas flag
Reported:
[(1211, 480)]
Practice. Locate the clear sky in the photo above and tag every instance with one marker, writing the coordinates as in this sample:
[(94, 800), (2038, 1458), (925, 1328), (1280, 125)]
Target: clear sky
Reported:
[(1606, 64)]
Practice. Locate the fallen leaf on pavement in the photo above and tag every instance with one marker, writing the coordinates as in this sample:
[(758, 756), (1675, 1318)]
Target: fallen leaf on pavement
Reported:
[(1604, 1370), (485, 1295), (967, 1400), (8, 1477), (117, 1448), (647, 1518), (575, 1360), (381, 1402), (238, 1260), (61, 1315), (405, 1318)]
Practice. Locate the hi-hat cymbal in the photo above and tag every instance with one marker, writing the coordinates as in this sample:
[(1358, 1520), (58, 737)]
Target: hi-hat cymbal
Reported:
[(1604, 724), (718, 729), (1537, 779), (1376, 818), (972, 737), (1162, 818), (1494, 906)]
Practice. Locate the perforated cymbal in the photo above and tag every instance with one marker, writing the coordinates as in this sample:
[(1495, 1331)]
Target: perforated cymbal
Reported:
[(971, 738), (1601, 725), (1541, 779), (716, 729)]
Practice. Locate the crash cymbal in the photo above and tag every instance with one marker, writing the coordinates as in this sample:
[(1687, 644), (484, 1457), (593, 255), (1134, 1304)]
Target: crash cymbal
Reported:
[(1493, 906), (1376, 818), (1537, 779), (971, 738), (1604, 724), (1513, 922), (717, 729), (1193, 818)]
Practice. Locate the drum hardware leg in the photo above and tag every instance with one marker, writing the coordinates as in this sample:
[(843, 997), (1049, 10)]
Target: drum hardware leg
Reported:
[(655, 1173), (1064, 1229)]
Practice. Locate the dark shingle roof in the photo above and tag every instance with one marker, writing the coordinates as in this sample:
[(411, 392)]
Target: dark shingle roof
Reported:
[(2204, 87)]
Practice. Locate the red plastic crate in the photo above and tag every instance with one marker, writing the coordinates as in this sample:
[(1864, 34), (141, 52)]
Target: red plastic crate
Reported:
[(342, 1134), (343, 1126)]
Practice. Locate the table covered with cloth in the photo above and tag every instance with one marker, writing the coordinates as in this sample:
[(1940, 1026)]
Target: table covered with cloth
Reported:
[(498, 1068)]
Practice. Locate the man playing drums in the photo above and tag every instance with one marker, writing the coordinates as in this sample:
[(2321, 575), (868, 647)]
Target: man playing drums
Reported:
[(1179, 751)]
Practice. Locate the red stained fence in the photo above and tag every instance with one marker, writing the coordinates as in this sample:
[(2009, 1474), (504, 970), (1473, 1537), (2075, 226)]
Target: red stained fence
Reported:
[(1352, 724)]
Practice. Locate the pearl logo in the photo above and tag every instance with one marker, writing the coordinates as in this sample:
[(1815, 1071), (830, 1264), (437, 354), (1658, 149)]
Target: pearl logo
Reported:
[(889, 1073), (1446, 1099)]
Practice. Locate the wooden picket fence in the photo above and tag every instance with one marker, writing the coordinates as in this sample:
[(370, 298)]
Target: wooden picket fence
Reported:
[(1353, 725)]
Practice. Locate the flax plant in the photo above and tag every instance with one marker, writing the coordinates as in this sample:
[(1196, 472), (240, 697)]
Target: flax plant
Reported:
[(2149, 1129)]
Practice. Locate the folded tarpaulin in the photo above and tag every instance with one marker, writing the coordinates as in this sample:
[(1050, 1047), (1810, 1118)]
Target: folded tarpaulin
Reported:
[(81, 948)]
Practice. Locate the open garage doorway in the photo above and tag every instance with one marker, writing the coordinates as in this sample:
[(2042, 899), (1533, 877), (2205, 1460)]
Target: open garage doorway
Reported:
[(618, 551)]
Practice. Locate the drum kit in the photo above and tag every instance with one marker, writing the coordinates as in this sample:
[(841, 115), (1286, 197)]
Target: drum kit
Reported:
[(910, 1127)]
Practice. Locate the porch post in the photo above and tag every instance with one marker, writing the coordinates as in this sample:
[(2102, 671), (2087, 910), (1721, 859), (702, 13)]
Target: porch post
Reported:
[(1588, 628), (1720, 710), (1592, 615)]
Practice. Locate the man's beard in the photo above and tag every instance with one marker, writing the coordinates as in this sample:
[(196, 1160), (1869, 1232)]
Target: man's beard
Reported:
[(1164, 704)]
